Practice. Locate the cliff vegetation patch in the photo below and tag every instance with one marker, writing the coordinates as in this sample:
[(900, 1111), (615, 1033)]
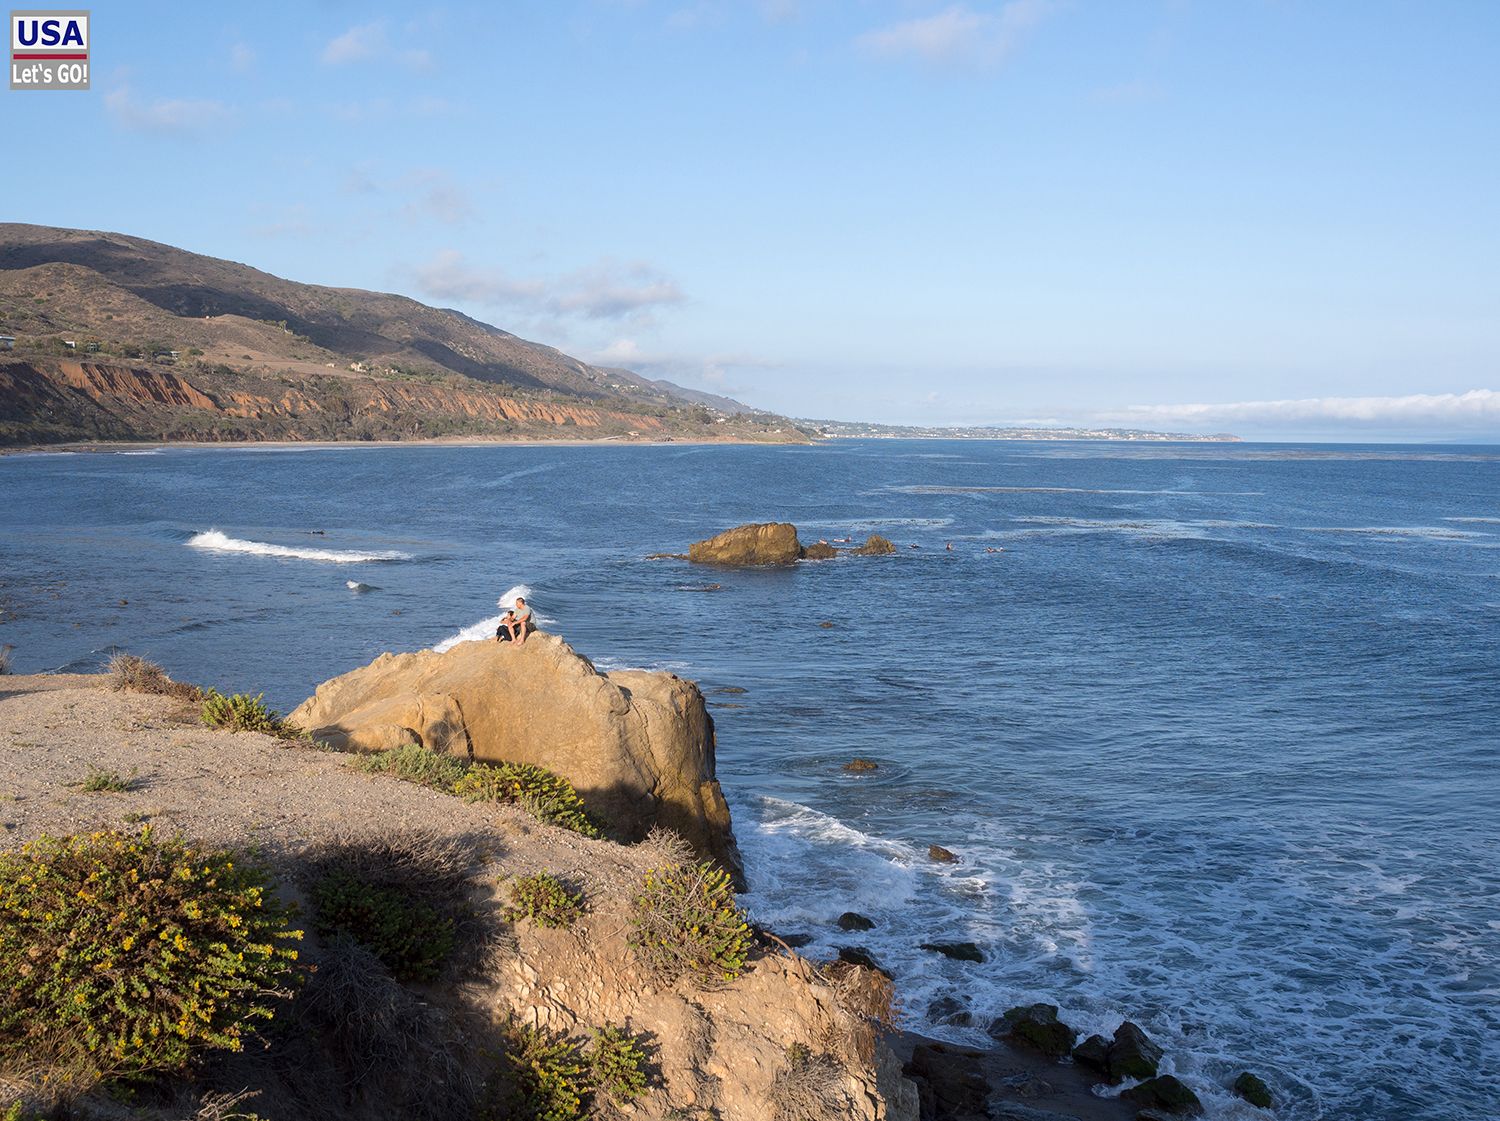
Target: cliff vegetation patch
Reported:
[(687, 924)]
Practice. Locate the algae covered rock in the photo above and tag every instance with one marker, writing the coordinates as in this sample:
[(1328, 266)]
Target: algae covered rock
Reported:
[(1253, 1090), (1035, 1026), (820, 550), (1166, 1094), (1093, 1053), (758, 544), (853, 920), (939, 855), (860, 766), (1132, 1054)]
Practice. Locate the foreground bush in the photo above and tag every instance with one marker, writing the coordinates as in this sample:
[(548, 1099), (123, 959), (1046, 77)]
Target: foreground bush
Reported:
[(688, 924), (123, 954), (240, 712), (544, 899), (130, 673), (546, 796)]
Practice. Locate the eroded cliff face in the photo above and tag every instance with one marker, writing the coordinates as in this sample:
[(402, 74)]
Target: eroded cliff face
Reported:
[(638, 746), (66, 399)]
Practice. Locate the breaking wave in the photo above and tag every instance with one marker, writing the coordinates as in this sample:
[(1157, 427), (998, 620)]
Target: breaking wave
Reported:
[(215, 542), (485, 628)]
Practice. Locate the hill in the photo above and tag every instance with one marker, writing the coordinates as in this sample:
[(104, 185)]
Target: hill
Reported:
[(117, 337)]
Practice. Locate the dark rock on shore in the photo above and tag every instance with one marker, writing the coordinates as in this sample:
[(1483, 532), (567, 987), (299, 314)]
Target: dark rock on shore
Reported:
[(1253, 1090), (951, 1082), (958, 951), (666, 556), (1035, 1026), (859, 766), (855, 955), (759, 544), (853, 920), (1131, 1054), (820, 550), (1167, 1094), (939, 855), (875, 546), (796, 941)]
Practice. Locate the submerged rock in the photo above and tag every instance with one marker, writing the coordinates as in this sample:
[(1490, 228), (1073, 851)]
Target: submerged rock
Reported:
[(957, 951), (860, 766), (951, 1011), (1165, 1093), (939, 855), (853, 920), (875, 546), (757, 544), (1253, 1090), (637, 745), (1035, 1026)]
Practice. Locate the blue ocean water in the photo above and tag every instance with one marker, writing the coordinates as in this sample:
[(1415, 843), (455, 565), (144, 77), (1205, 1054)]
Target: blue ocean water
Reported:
[(1214, 728)]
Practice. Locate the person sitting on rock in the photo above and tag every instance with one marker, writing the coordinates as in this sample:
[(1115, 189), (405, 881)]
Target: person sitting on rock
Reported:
[(518, 622), (502, 632)]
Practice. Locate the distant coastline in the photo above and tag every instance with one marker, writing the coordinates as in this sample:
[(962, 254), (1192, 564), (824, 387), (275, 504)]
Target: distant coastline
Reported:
[(854, 430)]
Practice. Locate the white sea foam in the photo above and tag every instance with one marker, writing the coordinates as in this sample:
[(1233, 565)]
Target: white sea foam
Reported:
[(485, 628), (215, 542)]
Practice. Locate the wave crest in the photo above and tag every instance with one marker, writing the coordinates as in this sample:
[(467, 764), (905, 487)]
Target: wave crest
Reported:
[(216, 542)]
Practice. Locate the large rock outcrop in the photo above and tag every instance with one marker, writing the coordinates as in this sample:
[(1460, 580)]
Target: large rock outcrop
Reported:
[(761, 543), (638, 746)]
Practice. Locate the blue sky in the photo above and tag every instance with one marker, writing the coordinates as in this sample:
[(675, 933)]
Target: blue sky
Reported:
[(1270, 217)]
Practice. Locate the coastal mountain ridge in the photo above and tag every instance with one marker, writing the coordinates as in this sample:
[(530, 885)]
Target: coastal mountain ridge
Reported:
[(118, 337)]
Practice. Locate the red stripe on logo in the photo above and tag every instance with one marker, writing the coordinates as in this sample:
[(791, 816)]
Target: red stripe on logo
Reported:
[(18, 55)]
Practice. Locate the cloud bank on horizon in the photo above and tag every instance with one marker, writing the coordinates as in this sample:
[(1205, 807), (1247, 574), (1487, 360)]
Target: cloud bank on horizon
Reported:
[(906, 211)]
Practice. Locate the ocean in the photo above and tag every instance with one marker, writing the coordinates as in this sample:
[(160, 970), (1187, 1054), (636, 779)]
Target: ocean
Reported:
[(1213, 728)]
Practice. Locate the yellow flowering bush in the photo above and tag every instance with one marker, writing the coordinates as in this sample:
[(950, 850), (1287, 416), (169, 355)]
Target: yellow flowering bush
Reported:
[(546, 796), (129, 954), (544, 899), (687, 923)]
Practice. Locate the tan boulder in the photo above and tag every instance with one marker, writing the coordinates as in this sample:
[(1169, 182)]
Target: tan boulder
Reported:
[(762, 543), (638, 746), (876, 546)]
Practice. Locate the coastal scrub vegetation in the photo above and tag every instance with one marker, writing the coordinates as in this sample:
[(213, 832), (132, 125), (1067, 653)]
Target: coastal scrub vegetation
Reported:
[(548, 797), (403, 897), (686, 923), (100, 781), (123, 954), (807, 1088), (544, 899), (134, 674), (546, 1077), (240, 712)]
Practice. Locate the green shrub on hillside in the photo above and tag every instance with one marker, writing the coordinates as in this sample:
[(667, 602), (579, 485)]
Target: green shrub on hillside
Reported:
[(99, 781), (412, 762), (619, 1064), (410, 936), (240, 712), (122, 954), (687, 923), (543, 899), (546, 796), (551, 1078)]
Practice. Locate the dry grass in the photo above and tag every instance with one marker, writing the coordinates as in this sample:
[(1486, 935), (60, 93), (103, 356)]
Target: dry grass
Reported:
[(129, 673), (390, 1047), (807, 1088), (866, 993)]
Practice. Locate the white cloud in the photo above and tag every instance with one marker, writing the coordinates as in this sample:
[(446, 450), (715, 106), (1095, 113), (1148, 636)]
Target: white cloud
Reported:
[(959, 33), (166, 116), (358, 44), (606, 290), (1477, 408), (371, 42)]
